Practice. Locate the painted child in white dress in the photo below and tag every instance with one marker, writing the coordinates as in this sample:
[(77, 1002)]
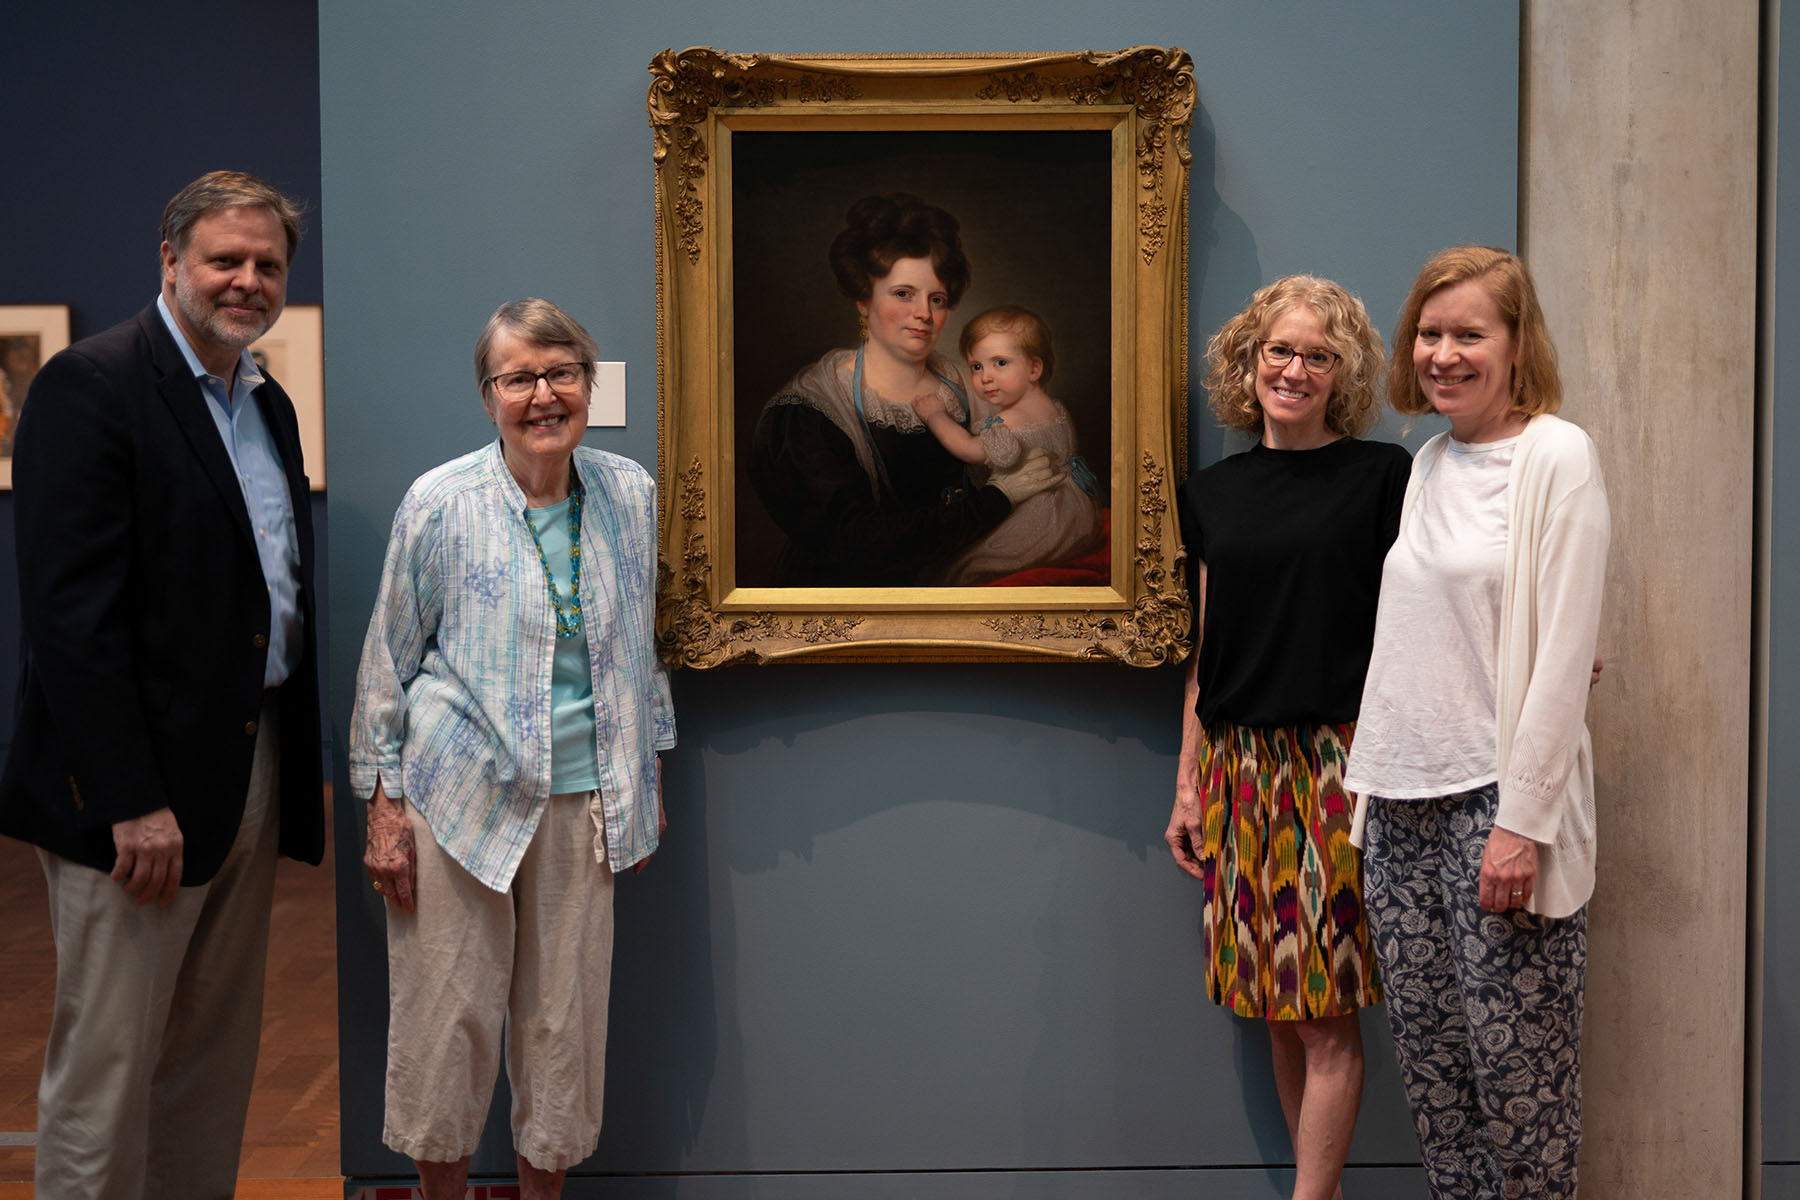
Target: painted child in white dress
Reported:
[(1010, 358)]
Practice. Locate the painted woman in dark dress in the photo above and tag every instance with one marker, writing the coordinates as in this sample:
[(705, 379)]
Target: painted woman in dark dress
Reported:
[(860, 487)]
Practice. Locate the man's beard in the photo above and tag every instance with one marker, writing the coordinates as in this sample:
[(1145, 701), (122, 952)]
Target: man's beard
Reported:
[(204, 315)]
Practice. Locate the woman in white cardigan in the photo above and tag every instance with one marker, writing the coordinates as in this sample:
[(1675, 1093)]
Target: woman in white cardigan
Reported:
[(1472, 759)]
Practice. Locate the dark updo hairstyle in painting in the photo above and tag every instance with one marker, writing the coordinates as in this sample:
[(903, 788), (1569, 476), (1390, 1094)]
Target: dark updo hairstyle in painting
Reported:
[(881, 230)]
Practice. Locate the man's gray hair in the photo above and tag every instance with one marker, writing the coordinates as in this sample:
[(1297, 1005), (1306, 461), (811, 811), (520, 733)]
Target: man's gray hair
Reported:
[(216, 191)]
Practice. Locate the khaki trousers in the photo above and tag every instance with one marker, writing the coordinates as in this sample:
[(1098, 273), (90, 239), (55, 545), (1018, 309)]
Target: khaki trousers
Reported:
[(157, 1017), (469, 961)]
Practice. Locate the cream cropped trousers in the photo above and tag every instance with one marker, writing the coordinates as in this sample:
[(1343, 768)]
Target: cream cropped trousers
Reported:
[(471, 963)]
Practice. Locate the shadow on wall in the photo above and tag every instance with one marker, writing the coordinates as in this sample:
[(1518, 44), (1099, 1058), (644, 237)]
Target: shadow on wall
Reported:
[(1049, 750), (986, 734), (1225, 269)]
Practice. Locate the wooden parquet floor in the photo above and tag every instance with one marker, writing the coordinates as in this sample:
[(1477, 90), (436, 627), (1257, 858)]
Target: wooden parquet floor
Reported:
[(291, 1136)]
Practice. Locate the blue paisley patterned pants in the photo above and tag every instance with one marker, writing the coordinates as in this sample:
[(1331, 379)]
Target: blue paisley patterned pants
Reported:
[(1485, 1007)]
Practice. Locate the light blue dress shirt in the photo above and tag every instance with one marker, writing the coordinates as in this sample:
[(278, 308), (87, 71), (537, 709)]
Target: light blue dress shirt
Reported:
[(257, 464), (454, 695)]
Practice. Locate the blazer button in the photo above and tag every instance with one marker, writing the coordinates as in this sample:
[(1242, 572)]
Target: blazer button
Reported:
[(259, 641), (250, 728)]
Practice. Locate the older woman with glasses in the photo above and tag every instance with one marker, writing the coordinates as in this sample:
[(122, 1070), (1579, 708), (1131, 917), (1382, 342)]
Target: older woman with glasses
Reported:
[(1287, 539), (509, 711), (1473, 764)]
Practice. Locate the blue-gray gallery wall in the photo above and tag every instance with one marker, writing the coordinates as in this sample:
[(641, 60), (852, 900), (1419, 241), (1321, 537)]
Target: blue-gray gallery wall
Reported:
[(102, 131), (1781, 843), (908, 918)]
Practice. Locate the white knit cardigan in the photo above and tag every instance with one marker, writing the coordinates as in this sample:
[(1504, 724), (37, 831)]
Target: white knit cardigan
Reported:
[(1556, 540)]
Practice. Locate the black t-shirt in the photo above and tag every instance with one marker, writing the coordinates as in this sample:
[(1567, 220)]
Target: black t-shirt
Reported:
[(1293, 542)]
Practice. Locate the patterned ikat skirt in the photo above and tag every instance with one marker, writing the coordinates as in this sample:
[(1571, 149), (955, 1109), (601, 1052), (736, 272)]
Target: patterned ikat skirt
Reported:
[(1286, 934)]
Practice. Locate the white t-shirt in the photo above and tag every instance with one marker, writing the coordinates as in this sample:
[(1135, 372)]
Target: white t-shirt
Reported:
[(1428, 718)]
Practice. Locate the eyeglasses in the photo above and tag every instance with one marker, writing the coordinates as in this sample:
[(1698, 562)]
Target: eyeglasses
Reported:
[(568, 378), (1317, 361)]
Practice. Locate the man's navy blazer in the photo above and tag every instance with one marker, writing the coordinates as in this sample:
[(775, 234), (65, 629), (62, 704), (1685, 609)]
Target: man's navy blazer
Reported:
[(145, 613)]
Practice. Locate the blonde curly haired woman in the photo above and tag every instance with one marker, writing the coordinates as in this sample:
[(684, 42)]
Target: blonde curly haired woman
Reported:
[(1287, 539)]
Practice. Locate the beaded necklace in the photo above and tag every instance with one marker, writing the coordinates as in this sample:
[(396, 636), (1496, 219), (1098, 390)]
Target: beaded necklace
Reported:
[(568, 612)]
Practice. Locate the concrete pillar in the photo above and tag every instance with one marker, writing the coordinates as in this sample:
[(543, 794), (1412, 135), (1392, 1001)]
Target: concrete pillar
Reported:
[(1639, 138)]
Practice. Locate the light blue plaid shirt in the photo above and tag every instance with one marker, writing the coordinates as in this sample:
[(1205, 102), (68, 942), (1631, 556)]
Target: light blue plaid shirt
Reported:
[(453, 690)]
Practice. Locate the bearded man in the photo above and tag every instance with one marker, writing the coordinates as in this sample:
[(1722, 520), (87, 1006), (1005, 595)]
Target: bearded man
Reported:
[(166, 748)]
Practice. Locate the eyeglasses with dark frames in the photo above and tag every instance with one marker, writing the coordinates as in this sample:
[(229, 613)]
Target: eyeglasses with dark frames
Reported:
[(566, 378), (1317, 361)]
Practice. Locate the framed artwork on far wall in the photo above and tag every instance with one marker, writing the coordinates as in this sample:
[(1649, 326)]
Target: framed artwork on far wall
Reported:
[(806, 511), (293, 351), (29, 335)]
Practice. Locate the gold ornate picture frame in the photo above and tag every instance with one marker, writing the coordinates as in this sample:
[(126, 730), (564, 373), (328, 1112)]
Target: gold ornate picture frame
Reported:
[(1067, 174)]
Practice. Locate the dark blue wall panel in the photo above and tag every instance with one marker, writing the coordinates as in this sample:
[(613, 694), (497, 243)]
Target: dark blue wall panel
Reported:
[(113, 108)]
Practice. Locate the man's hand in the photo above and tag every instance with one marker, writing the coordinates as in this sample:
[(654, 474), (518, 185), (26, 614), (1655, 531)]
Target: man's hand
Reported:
[(148, 865)]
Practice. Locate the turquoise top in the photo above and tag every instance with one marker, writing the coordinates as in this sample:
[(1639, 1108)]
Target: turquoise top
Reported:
[(574, 755)]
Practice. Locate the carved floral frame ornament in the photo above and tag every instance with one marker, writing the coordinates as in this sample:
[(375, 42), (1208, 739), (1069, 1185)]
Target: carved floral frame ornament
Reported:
[(1143, 98)]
